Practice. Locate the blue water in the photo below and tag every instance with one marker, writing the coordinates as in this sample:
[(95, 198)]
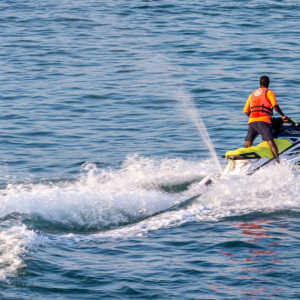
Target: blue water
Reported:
[(100, 163)]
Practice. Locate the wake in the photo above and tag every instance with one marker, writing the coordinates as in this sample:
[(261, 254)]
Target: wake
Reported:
[(140, 197)]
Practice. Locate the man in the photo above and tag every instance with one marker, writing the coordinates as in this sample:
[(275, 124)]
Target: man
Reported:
[(259, 109)]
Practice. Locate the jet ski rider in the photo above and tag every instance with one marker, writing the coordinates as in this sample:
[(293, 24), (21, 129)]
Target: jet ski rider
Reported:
[(259, 109)]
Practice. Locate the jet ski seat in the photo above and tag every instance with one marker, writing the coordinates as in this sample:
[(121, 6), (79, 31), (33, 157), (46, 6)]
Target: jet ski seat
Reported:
[(259, 151)]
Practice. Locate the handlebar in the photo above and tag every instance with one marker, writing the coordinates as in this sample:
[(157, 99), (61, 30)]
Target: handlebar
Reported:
[(277, 123)]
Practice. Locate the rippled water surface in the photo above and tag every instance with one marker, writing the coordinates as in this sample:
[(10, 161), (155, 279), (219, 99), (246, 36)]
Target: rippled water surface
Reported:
[(100, 162)]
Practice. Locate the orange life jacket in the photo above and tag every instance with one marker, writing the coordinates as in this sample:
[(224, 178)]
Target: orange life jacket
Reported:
[(259, 104)]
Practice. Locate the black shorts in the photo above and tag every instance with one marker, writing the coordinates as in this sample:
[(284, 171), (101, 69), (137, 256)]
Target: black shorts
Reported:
[(262, 128)]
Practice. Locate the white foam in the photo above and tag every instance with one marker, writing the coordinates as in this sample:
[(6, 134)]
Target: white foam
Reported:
[(105, 197), (14, 243), (141, 171), (272, 189), (114, 197)]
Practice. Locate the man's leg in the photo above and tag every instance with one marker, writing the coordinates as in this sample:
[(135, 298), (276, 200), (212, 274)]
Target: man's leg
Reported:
[(274, 149), (267, 134), (251, 135)]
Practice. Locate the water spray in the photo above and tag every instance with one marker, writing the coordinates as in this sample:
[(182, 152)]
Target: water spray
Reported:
[(192, 112)]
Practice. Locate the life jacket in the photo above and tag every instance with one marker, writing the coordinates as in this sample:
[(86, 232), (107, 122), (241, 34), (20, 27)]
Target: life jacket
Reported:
[(259, 104)]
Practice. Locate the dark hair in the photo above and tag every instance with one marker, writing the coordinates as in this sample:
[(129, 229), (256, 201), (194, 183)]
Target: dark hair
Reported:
[(264, 81)]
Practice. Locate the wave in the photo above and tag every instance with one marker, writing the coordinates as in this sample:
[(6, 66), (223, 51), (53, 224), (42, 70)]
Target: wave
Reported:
[(15, 242), (105, 198), (145, 192), (273, 189), (141, 196), (100, 199)]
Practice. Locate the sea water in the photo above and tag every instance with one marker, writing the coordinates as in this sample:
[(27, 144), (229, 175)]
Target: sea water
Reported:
[(100, 161)]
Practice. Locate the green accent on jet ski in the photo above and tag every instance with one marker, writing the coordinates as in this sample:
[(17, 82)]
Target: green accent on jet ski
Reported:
[(262, 149)]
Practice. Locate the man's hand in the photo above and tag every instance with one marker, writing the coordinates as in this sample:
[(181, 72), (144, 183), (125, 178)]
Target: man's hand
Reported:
[(285, 118)]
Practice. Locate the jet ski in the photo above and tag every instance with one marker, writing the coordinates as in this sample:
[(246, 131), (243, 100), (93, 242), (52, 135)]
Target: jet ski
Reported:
[(246, 161)]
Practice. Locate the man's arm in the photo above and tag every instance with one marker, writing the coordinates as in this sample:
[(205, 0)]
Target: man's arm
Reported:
[(272, 98), (247, 107), (278, 110)]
